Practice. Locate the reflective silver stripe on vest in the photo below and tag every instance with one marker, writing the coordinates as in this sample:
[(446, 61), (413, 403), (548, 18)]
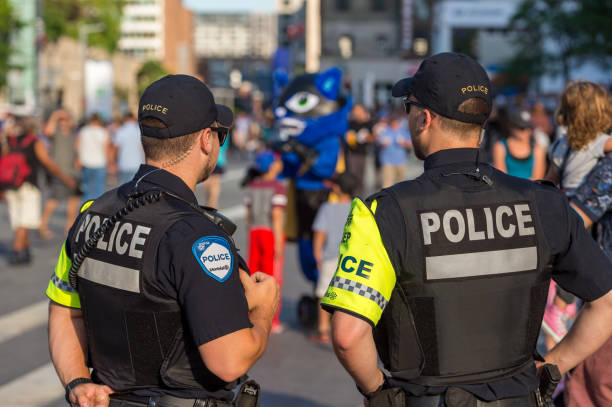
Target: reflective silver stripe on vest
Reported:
[(61, 284), (481, 263), (110, 275), (359, 289)]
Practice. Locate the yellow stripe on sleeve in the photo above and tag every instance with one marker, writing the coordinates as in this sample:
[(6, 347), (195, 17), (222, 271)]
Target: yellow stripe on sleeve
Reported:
[(59, 289), (364, 277)]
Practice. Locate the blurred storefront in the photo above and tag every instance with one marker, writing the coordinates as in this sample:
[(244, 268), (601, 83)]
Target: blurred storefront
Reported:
[(62, 82), (375, 42)]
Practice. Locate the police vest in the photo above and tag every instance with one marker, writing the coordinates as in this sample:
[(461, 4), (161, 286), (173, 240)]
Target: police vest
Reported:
[(135, 335), (469, 300)]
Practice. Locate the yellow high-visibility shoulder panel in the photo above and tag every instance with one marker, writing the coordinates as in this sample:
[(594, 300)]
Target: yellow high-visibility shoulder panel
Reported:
[(59, 289), (364, 277)]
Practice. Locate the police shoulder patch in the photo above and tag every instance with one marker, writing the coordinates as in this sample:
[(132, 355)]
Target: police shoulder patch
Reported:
[(214, 255)]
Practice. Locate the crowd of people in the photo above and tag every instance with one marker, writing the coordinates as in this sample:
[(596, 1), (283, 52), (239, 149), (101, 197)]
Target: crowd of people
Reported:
[(527, 141), (64, 162)]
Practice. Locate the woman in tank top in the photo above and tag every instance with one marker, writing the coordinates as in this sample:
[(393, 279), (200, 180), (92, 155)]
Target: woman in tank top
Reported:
[(519, 155)]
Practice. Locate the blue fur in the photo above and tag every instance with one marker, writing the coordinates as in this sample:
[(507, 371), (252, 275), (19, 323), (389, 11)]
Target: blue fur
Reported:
[(280, 78), (329, 82)]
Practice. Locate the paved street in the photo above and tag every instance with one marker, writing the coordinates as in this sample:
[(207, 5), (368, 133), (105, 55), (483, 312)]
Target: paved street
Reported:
[(293, 371)]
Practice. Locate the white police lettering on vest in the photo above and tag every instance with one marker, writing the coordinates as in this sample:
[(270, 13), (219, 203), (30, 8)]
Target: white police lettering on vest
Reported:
[(125, 237), (457, 225)]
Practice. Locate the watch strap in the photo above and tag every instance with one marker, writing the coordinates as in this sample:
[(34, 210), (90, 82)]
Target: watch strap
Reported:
[(74, 383)]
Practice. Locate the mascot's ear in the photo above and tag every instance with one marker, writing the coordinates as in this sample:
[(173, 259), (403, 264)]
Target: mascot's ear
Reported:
[(328, 83), (280, 79)]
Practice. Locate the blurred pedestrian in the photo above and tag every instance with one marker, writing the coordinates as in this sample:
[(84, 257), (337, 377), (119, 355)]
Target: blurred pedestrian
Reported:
[(212, 185), (356, 142), (127, 149), (22, 155), (328, 231), (266, 200), (394, 141), (241, 131), (60, 132), (94, 150), (543, 129), (585, 111), (519, 155)]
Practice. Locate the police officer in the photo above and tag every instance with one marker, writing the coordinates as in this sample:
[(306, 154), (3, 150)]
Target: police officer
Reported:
[(156, 303), (445, 277)]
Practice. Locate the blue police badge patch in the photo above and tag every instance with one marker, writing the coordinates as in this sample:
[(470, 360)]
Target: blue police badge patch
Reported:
[(214, 255)]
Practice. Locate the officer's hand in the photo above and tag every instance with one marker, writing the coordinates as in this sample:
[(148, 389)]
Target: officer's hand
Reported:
[(261, 290), (90, 395)]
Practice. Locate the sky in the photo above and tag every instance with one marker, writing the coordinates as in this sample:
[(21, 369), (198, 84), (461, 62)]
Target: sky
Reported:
[(215, 6)]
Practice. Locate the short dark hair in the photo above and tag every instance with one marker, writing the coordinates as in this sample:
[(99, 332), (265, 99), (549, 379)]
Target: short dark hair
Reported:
[(475, 106), (161, 149)]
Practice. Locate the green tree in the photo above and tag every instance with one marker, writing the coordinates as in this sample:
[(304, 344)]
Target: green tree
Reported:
[(63, 17), (554, 37), (148, 73), (9, 24)]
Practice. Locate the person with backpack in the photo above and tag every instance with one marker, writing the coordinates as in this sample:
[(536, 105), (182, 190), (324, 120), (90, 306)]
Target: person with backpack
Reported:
[(21, 156)]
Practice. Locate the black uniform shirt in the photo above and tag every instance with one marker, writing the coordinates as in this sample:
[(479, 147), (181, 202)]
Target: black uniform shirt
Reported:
[(580, 267), (211, 298)]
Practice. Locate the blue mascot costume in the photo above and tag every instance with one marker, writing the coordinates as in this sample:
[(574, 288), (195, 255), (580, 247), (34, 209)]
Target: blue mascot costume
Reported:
[(312, 113)]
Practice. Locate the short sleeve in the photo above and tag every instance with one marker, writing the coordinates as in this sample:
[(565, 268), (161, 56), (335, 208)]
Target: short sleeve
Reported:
[(59, 289), (280, 197), (597, 148), (321, 219), (579, 265), (364, 279), (199, 267)]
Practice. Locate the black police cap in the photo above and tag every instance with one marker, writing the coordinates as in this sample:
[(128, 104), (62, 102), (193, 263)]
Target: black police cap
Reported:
[(443, 81), (184, 104)]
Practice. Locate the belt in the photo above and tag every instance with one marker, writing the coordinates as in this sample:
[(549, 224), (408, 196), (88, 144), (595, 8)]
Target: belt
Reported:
[(439, 400), (129, 400)]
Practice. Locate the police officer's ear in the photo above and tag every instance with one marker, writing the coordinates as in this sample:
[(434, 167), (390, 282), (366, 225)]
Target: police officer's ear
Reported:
[(424, 119), (206, 140)]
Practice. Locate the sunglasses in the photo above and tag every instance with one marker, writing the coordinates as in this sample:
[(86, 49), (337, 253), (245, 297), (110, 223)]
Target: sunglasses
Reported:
[(408, 103), (222, 133)]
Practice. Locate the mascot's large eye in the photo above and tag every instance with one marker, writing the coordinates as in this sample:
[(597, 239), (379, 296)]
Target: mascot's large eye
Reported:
[(302, 102)]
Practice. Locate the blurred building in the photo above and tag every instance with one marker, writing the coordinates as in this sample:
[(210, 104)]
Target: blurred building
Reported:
[(21, 79), (290, 54), (159, 30), (62, 81), (235, 47), (235, 35), (375, 42), (480, 28)]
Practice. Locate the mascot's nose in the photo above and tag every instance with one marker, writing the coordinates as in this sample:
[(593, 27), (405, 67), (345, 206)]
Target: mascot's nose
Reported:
[(290, 127), (280, 112)]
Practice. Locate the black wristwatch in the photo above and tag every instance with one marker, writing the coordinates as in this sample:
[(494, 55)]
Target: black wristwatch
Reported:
[(70, 386), (384, 385)]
